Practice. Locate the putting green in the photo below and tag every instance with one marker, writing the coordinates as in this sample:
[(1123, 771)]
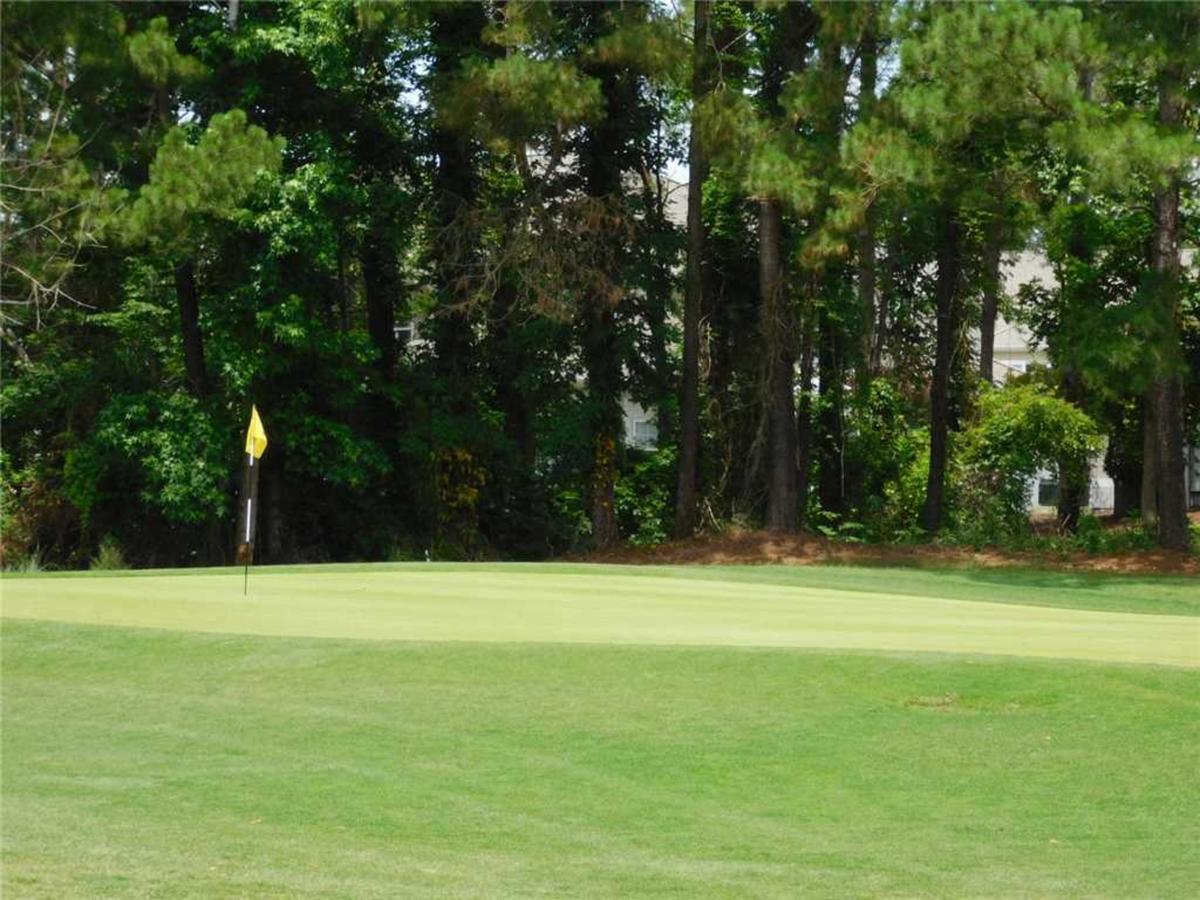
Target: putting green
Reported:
[(490, 605)]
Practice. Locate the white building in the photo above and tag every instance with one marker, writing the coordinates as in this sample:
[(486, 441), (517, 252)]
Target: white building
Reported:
[(1016, 349)]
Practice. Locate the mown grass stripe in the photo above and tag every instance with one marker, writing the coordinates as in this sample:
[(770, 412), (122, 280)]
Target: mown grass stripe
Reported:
[(470, 604)]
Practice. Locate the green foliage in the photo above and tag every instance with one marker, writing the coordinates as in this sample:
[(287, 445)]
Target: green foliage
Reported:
[(27, 563), (156, 58), (520, 98), (977, 67), (884, 453), (177, 453), (644, 498), (206, 180), (1093, 537), (108, 555), (571, 509), (832, 526), (903, 496), (331, 172), (1018, 430)]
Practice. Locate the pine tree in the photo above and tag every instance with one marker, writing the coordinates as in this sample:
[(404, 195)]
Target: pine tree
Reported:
[(703, 83), (976, 80)]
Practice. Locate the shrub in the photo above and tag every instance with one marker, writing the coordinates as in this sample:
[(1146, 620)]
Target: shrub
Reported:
[(108, 555), (903, 496), (1018, 430), (1095, 538), (644, 497), (29, 563), (570, 507)]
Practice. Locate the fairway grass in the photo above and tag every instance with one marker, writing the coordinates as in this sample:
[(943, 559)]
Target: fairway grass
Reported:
[(140, 763), (534, 732)]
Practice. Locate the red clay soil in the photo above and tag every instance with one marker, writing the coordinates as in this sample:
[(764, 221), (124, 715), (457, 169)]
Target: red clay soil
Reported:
[(764, 547)]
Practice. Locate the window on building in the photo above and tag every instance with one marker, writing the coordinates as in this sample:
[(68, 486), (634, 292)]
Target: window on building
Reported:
[(405, 332), (645, 433), (1047, 493)]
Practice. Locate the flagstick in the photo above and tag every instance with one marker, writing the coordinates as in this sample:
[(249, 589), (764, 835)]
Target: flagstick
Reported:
[(249, 501)]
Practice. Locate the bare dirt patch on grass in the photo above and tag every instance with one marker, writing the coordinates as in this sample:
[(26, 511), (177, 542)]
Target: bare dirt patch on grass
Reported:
[(736, 547)]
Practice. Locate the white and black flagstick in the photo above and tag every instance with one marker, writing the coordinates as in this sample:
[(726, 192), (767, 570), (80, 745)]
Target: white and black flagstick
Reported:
[(246, 515), (249, 519)]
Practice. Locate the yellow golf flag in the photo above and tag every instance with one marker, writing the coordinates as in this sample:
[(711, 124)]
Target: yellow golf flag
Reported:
[(256, 435)]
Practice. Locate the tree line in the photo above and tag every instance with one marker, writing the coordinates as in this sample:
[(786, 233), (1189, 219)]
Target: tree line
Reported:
[(436, 244)]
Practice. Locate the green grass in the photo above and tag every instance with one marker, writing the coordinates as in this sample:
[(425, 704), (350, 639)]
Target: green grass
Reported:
[(524, 738), (1040, 587), (621, 606)]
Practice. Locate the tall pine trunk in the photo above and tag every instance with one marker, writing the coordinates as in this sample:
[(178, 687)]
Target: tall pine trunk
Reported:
[(693, 300), (776, 326), (601, 355), (508, 359), (1072, 485), (869, 51), (1165, 426), (804, 417), (949, 275), (457, 35), (189, 328), (992, 251), (796, 24), (832, 488), (834, 342), (1149, 491)]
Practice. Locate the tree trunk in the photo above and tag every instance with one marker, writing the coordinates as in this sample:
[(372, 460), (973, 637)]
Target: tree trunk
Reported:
[(189, 328), (796, 26), (1173, 532), (693, 300), (992, 281), (381, 286), (1123, 462), (601, 169), (804, 423), (508, 359), (457, 34), (1166, 394), (892, 254), (273, 530), (831, 440), (869, 51), (1125, 496), (776, 325), (1149, 492), (1072, 486), (949, 274), (601, 354)]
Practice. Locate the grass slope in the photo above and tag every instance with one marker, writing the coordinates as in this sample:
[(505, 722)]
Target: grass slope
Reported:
[(1171, 594), (144, 763), (611, 605)]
